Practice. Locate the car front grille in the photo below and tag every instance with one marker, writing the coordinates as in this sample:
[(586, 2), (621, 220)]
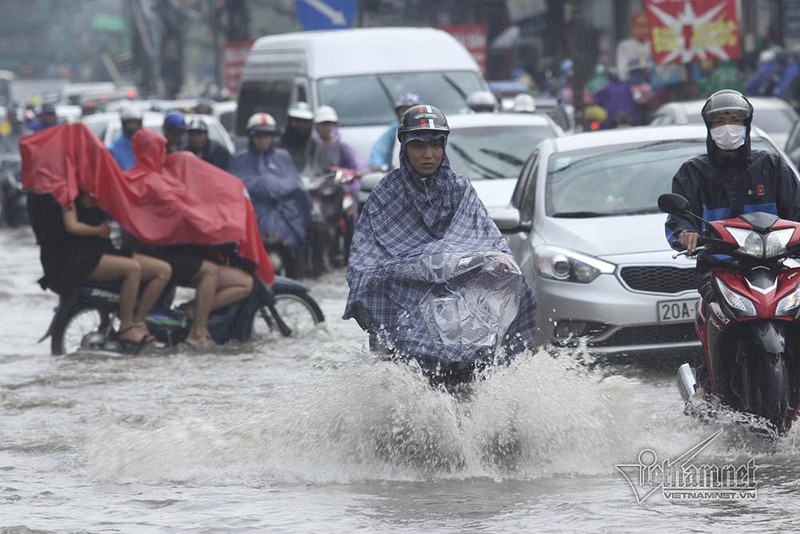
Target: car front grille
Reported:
[(649, 334), (660, 279)]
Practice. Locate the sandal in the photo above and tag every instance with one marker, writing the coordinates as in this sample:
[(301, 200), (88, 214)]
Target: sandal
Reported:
[(146, 339)]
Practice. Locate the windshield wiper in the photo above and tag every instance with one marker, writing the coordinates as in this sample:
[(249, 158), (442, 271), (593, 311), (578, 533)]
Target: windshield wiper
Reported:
[(579, 214), (503, 156), (488, 173)]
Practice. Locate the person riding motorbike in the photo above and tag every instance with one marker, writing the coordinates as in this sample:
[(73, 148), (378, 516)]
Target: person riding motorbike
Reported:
[(421, 221), (281, 202), (121, 148), (216, 285), (46, 118), (345, 161), (75, 247), (206, 149), (308, 153), (727, 181), (380, 157)]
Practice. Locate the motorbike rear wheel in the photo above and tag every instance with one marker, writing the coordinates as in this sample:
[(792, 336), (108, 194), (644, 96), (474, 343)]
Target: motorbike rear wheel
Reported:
[(299, 311), (769, 382), (74, 323)]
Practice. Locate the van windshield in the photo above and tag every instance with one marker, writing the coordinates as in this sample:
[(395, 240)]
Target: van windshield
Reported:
[(369, 100)]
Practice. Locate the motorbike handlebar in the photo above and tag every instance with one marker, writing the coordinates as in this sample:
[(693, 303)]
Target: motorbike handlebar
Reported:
[(687, 254)]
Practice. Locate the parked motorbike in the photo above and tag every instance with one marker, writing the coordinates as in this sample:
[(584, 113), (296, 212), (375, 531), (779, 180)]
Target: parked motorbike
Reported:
[(89, 320), (751, 331), (13, 200)]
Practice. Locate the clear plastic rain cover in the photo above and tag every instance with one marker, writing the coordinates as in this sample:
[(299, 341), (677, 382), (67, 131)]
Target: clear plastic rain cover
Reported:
[(473, 298)]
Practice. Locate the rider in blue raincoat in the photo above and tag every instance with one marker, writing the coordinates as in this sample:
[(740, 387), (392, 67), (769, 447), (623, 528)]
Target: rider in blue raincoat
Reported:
[(281, 202), (430, 275)]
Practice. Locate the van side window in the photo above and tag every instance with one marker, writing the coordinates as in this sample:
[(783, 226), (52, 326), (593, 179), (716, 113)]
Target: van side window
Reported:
[(271, 96)]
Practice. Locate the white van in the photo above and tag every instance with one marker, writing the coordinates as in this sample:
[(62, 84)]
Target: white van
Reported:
[(359, 72)]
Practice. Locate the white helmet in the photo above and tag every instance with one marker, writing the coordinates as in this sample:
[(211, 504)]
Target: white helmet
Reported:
[(130, 113), (261, 122), (325, 114), (524, 103), (482, 101)]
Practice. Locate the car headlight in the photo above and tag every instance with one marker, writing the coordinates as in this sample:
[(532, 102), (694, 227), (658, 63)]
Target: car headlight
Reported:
[(789, 304), (739, 303), (569, 266), (758, 245)]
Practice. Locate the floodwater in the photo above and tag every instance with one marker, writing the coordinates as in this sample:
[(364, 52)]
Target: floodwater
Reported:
[(314, 435)]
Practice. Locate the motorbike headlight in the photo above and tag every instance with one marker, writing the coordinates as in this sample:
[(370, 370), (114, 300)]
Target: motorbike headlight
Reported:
[(568, 266), (739, 303), (758, 245), (789, 304)]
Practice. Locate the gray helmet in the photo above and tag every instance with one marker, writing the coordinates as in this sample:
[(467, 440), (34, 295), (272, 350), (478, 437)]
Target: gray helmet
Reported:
[(422, 118), (727, 101)]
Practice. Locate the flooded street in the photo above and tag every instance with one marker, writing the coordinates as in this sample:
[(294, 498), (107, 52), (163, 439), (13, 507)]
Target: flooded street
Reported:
[(314, 435)]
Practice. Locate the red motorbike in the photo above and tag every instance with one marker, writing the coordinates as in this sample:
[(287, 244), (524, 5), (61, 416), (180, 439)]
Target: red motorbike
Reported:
[(750, 331)]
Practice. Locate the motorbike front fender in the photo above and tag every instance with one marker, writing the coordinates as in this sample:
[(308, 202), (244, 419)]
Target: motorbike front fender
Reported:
[(768, 336)]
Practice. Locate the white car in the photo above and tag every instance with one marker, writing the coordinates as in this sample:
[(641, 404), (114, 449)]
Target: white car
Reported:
[(489, 149), (585, 228), (107, 126), (773, 115)]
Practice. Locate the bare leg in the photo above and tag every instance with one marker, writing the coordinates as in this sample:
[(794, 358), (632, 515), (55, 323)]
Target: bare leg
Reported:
[(156, 274), (233, 285), (205, 282), (119, 267)]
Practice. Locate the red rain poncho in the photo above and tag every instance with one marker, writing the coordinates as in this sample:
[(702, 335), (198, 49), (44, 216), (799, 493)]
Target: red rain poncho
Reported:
[(162, 200)]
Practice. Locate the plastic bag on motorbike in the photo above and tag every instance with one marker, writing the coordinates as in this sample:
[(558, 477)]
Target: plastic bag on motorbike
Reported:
[(473, 298)]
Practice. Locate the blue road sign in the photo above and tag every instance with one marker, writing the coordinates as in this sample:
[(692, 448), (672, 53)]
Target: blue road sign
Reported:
[(325, 14)]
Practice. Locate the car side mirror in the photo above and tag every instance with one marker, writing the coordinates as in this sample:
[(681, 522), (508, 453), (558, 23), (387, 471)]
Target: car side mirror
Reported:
[(673, 204), (508, 221)]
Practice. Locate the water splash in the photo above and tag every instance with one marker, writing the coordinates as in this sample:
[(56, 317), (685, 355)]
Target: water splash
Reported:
[(378, 420)]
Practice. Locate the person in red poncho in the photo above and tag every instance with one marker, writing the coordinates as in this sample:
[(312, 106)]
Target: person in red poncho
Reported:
[(200, 266), (164, 200)]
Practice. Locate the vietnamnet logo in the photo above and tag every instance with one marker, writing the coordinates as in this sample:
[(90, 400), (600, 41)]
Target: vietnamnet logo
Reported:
[(681, 480)]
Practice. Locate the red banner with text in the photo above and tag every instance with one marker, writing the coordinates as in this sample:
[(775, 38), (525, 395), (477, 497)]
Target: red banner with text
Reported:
[(682, 31)]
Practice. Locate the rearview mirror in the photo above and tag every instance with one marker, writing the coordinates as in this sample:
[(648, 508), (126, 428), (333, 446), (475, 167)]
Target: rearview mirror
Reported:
[(673, 204), (508, 221)]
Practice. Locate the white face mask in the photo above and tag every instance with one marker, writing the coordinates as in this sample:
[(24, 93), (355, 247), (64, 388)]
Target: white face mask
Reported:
[(728, 136)]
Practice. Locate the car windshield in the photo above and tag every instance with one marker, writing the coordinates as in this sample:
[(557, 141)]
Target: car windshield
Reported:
[(618, 180), (771, 121), (369, 100), (488, 152)]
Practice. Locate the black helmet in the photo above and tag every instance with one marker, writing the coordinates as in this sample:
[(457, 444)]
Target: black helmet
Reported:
[(422, 118), (727, 101)]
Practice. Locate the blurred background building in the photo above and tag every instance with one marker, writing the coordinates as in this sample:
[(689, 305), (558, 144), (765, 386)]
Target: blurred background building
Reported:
[(170, 48)]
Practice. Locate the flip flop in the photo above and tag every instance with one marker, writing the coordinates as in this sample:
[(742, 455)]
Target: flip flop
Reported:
[(134, 347)]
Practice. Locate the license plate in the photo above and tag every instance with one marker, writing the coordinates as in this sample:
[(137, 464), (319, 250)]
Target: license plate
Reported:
[(676, 310)]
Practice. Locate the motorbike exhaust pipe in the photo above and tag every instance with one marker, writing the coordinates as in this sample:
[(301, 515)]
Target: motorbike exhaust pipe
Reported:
[(687, 384)]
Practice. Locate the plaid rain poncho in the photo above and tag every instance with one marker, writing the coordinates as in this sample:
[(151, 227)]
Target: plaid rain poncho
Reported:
[(424, 265)]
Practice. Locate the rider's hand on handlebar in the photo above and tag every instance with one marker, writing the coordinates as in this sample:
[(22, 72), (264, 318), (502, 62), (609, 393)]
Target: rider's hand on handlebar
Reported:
[(688, 240)]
